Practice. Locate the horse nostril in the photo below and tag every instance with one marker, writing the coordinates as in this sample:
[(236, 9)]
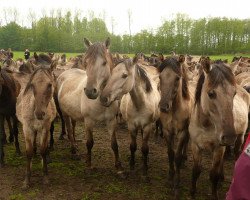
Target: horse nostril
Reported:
[(43, 114), (94, 91), (84, 89), (105, 99)]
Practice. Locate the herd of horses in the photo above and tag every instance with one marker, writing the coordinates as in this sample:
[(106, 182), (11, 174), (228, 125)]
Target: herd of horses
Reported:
[(192, 100)]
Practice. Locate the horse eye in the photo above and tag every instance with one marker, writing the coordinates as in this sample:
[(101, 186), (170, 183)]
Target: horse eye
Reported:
[(212, 94), (124, 76), (104, 63), (177, 78)]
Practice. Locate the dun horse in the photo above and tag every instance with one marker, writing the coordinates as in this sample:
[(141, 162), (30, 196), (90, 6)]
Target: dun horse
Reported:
[(220, 112), (139, 103), (8, 93), (36, 110), (78, 96), (175, 106)]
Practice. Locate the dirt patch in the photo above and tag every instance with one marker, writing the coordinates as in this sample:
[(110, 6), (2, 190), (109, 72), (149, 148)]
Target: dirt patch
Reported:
[(69, 179)]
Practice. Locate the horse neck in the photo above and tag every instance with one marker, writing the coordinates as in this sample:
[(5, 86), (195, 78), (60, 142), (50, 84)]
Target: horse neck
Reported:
[(137, 93), (179, 99)]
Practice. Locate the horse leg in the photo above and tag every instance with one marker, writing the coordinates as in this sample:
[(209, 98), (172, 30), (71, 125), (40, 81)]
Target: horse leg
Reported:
[(15, 132), (185, 148), (169, 136), (34, 144), (70, 134), (4, 140), (73, 127), (51, 142), (179, 160), (1, 140), (133, 147), (215, 173), (197, 157), (238, 145), (111, 125), (63, 128), (29, 141), (44, 140), (11, 137), (145, 149), (89, 124)]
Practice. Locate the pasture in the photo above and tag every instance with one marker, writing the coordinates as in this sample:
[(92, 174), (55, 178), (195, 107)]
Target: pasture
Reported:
[(70, 179), (151, 175), (20, 54)]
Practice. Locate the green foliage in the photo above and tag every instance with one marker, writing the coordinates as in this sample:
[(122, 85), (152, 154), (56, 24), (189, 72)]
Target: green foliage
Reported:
[(65, 33)]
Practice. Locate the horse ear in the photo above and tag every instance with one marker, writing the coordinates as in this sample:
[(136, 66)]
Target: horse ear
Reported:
[(87, 42), (107, 42), (206, 65), (53, 65), (26, 68), (181, 59), (35, 56), (135, 59)]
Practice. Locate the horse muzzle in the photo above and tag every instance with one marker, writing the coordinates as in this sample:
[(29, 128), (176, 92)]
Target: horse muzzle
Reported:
[(105, 101), (165, 108), (39, 115), (91, 93), (228, 140)]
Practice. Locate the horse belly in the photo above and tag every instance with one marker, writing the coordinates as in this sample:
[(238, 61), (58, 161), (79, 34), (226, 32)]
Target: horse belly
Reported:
[(240, 112)]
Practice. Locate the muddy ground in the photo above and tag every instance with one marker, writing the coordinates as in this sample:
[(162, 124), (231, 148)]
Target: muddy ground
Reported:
[(69, 179)]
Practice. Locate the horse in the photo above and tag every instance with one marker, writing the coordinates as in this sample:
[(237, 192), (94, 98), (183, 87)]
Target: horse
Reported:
[(36, 110), (8, 94), (219, 118), (78, 96), (175, 106), (139, 103)]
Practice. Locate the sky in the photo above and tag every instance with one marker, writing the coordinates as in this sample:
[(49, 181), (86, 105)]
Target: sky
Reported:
[(146, 14)]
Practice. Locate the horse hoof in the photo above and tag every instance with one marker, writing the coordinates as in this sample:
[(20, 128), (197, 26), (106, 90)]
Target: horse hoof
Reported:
[(51, 148), (18, 152), (122, 174), (61, 136), (11, 139), (45, 180), (75, 157), (25, 186), (145, 179), (1, 164)]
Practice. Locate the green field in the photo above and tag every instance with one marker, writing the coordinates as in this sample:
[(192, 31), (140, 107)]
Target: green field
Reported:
[(20, 54)]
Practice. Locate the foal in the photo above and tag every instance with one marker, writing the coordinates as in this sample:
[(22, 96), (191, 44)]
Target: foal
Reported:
[(139, 103), (36, 110), (175, 106)]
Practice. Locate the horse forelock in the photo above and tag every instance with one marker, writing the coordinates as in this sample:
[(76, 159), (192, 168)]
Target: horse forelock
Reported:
[(218, 74), (98, 49), (44, 70)]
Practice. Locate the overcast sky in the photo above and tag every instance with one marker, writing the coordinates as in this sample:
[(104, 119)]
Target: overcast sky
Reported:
[(146, 14)]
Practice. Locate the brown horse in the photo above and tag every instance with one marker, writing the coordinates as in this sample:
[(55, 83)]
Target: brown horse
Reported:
[(212, 123), (36, 110), (175, 106), (78, 96), (139, 103), (8, 93)]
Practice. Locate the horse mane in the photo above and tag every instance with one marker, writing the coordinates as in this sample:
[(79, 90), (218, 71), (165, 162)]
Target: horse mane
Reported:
[(144, 77), (44, 58), (8, 80), (175, 65), (216, 76), (42, 68), (140, 71)]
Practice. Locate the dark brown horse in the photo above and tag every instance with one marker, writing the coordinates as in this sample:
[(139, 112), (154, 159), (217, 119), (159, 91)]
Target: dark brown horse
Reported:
[(8, 93)]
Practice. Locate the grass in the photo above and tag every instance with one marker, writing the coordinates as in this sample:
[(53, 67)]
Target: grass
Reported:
[(20, 54)]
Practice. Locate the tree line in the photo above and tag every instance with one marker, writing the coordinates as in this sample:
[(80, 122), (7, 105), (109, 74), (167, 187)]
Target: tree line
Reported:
[(65, 33)]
